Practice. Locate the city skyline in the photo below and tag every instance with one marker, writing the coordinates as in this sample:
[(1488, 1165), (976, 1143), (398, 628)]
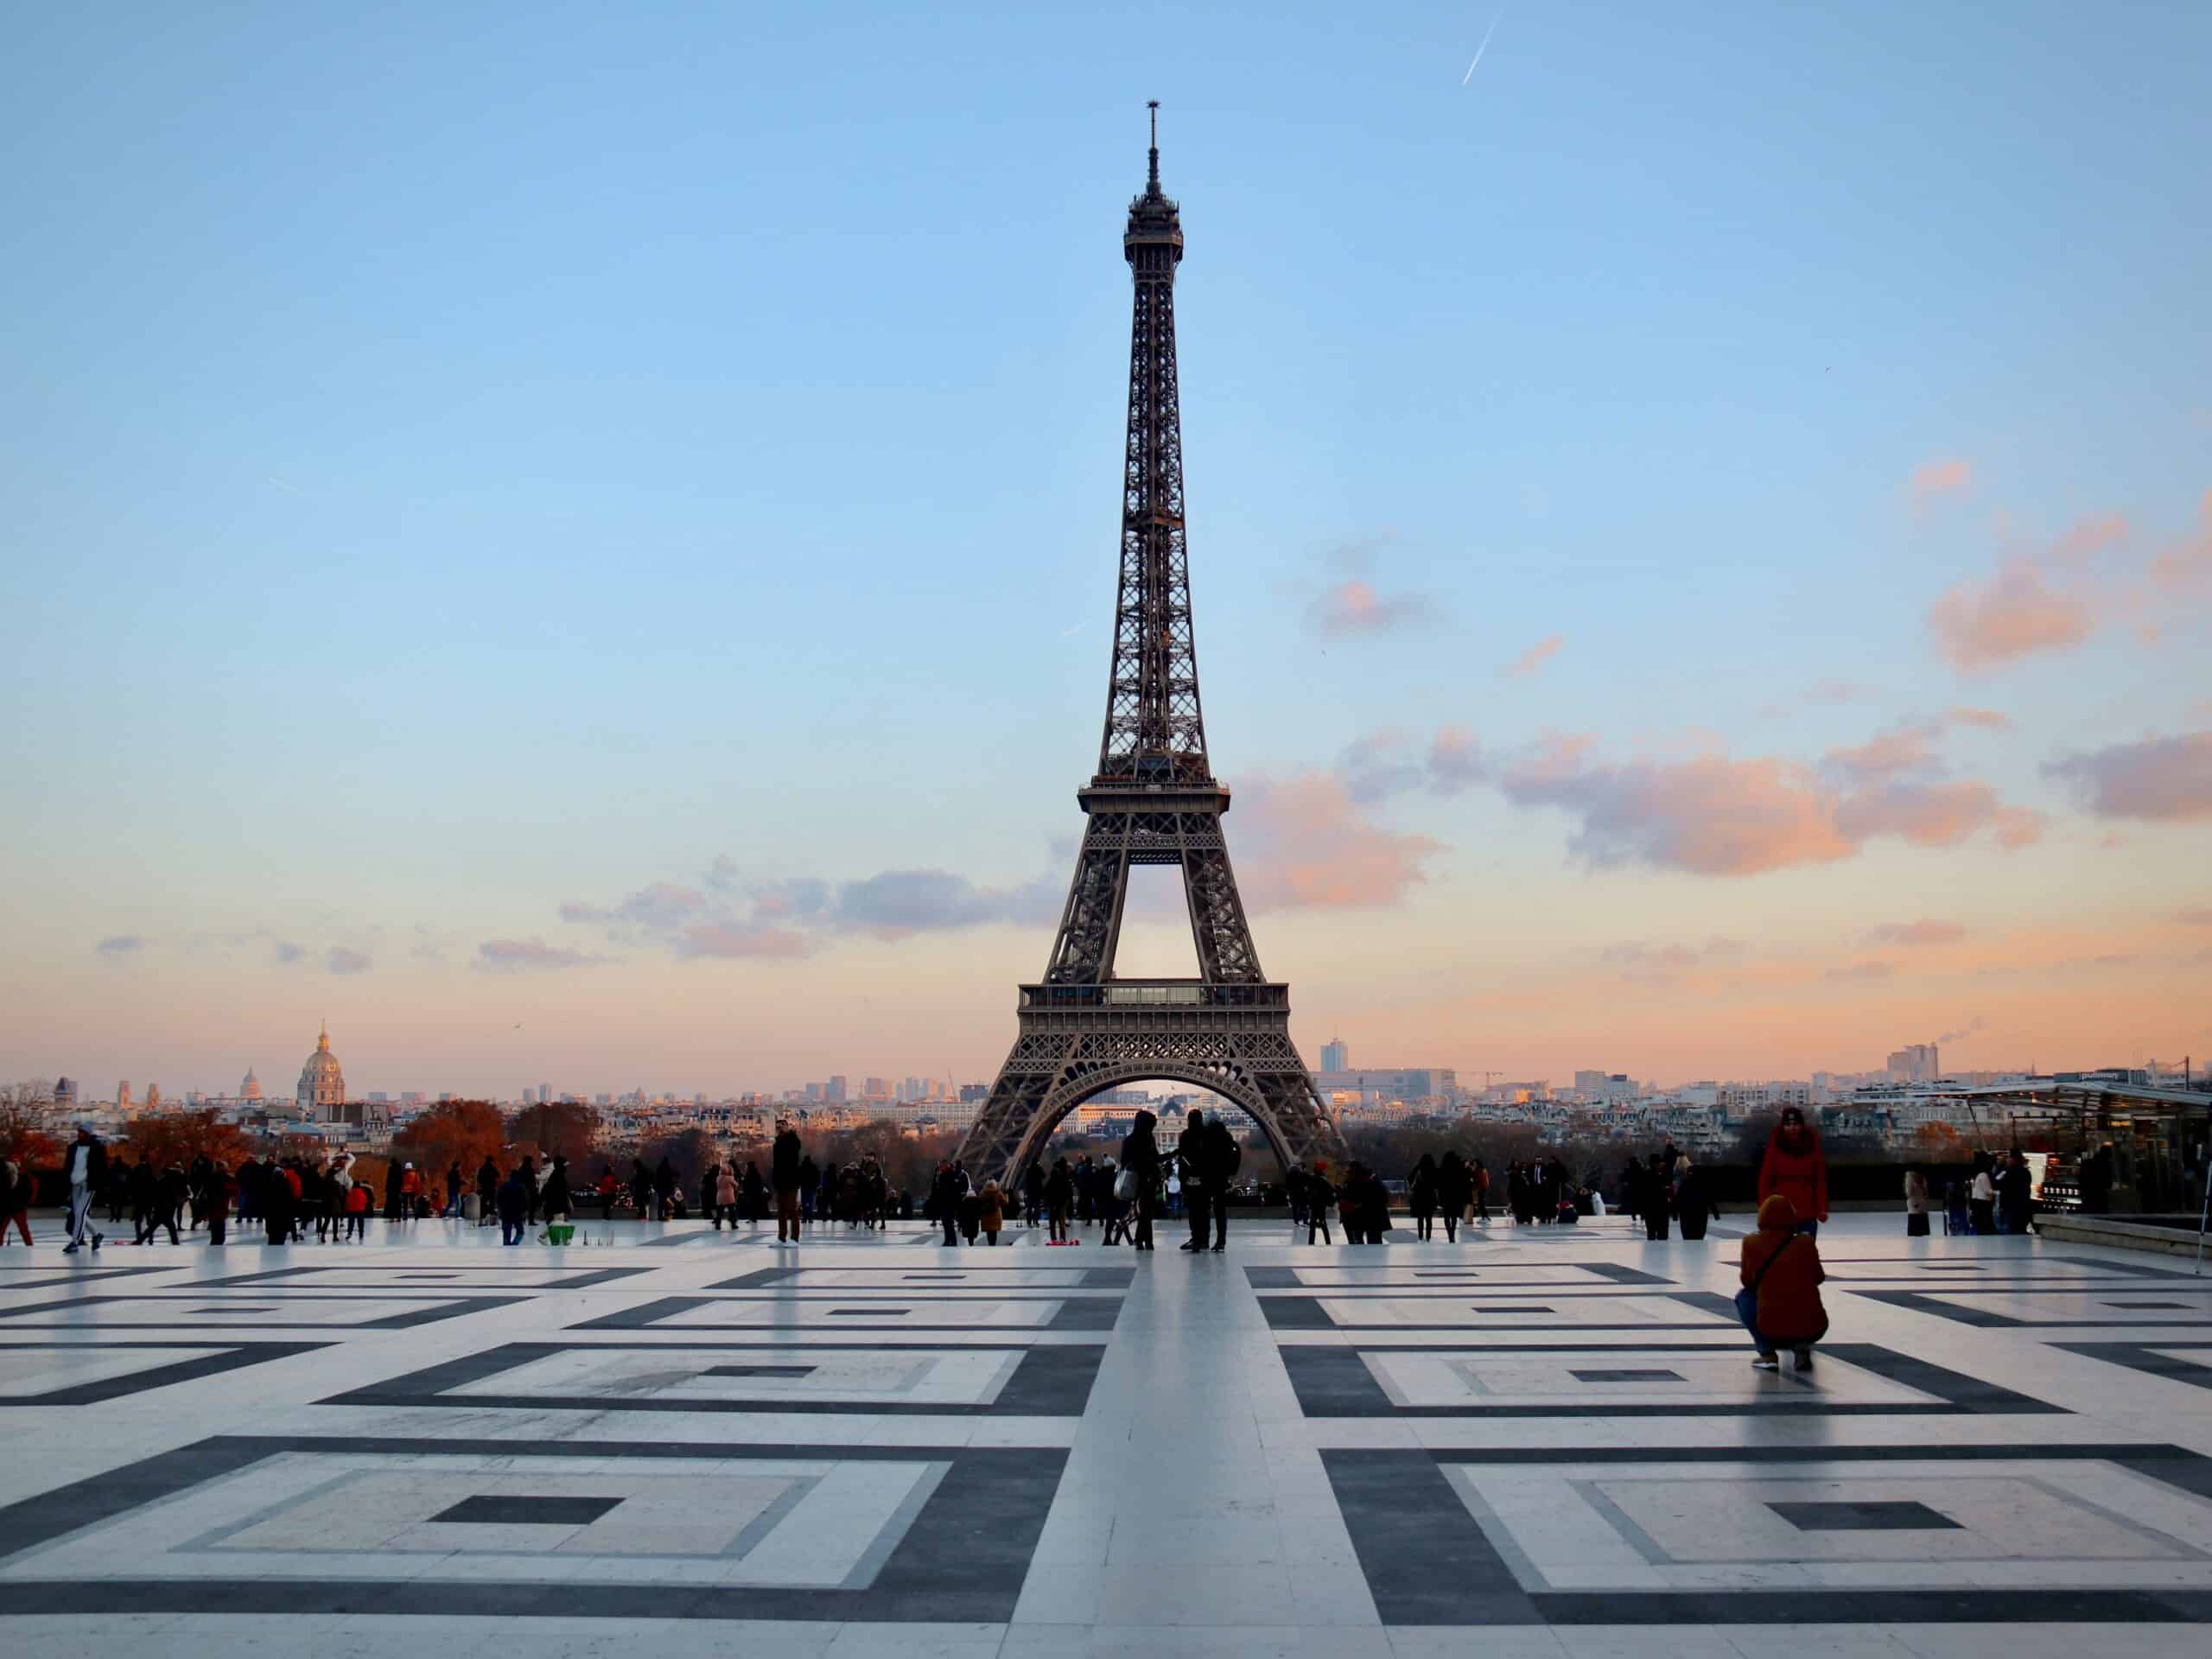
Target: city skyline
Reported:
[(1676, 615)]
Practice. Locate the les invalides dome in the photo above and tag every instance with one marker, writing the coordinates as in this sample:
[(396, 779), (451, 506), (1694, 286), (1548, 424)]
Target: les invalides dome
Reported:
[(322, 1085)]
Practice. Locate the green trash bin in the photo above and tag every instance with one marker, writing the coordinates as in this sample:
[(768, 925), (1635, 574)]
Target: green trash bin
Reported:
[(560, 1232)]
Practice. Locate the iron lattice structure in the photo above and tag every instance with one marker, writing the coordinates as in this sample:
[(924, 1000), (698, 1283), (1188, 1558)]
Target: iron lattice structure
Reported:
[(1153, 800)]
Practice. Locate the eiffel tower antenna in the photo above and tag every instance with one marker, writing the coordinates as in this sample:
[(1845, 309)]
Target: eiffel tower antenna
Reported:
[(1153, 800)]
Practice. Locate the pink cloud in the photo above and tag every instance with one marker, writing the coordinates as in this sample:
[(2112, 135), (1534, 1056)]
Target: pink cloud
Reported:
[(1937, 478), (740, 941), (1715, 815), (1861, 970), (1710, 816), (1923, 933), (1907, 748), (1304, 842), (520, 955), (1353, 609), (2162, 779), (1988, 720), (1928, 815), (2189, 562), (1535, 657), (2019, 826), (2013, 614)]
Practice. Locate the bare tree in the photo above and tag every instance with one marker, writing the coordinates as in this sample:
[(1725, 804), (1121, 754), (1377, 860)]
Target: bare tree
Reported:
[(27, 1124)]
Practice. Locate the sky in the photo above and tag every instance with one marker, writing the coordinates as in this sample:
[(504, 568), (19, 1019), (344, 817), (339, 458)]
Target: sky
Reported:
[(577, 543)]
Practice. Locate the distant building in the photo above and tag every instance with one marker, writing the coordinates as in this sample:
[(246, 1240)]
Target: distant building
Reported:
[(250, 1088), (833, 1092), (122, 1096), (1384, 1083), (153, 1096), (64, 1095), (1335, 1057), (322, 1085), (1915, 1063)]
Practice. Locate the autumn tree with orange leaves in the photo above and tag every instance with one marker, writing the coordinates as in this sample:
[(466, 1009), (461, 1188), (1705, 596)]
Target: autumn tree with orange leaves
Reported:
[(167, 1137)]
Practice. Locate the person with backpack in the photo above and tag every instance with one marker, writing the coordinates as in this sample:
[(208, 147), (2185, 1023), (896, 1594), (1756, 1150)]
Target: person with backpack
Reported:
[(1780, 1274)]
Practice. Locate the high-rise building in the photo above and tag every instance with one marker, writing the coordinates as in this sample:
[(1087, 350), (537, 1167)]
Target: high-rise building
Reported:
[(322, 1085), (122, 1096), (546, 1094), (1335, 1057), (1915, 1063), (833, 1092), (153, 1096), (876, 1089)]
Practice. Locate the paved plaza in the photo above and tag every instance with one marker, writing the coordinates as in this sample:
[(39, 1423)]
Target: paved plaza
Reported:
[(1543, 1441)]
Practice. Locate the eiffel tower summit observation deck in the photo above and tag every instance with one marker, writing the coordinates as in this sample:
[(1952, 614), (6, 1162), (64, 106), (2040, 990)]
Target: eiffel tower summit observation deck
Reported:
[(1152, 800)]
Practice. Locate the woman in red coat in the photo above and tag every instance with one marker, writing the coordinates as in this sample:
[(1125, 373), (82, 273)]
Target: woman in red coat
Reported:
[(1780, 1302), (1796, 1167)]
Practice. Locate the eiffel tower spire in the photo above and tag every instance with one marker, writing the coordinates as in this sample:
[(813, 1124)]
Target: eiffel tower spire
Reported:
[(1155, 731), (1153, 800)]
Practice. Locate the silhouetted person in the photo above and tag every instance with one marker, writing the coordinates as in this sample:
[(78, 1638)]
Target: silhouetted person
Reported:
[(1141, 1165)]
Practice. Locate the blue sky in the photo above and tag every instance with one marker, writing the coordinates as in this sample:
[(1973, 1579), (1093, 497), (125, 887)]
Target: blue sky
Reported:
[(465, 460)]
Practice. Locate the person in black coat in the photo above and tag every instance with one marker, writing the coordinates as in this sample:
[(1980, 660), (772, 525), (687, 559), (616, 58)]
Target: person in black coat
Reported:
[(1656, 1191), (1454, 1186), (1693, 1200), (1140, 1158), (1421, 1195), (944, 1202), (554, 1200), (514, 1209), (2016, 1204)]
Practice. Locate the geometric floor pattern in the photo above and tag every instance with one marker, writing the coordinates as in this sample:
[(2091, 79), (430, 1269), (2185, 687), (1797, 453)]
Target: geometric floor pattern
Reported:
[(1536, 1441)]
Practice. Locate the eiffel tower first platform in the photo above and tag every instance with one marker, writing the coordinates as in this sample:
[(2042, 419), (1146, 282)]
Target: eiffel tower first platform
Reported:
[(1153, 800)]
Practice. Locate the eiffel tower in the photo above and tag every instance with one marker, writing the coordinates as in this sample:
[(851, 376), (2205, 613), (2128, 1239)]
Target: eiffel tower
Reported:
[(1153, 800)]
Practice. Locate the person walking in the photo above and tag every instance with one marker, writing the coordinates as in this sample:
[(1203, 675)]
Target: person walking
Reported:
[(1781, 1275), (87, 1165), (1915, 1203), (990, 1212), (1481, 1180), (487, 1192), (215, 1197), (1421, 1196), (1107, 1204), (277, 1201), (783, 1159), (514, 1208), (1981, 1197), (1320, 1199), (554, 1201), (1797, 1167), (1033, 1195), (1454, 1187), (358, 1200), (2016, 1202), (1141, 1175), (726, 1197), (15, 1185), (1693, 1201), (1658, 1192), (1059, 1200), (944, 1203), (1191, 1153)]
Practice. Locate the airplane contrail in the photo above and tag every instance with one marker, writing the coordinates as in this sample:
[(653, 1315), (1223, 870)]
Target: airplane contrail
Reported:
[(1484, 47)]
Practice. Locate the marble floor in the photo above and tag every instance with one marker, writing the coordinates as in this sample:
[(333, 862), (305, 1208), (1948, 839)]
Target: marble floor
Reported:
[(1534, 1442)]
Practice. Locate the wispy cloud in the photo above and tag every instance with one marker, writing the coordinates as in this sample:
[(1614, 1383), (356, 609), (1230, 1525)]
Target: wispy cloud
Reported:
[(1933, 479), (523, 956), (1387, 762), (1920, 933), (1355, 609), (1304, 843), (286, 953), (1534, 658), (343, 959), (120, 945), (1861, 970), (2013, 614), (2161, 778), (1987, 720)]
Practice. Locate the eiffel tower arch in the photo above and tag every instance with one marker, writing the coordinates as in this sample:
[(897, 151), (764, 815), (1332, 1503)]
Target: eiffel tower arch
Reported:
[(1153, 800)]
